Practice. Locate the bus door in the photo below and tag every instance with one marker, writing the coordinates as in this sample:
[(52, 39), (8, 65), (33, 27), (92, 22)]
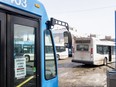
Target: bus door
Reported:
[(14, 70), (109, 53), (2, 50)]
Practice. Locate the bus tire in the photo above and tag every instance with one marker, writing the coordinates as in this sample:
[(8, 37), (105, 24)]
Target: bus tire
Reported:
[(105, 61), (27, 58)]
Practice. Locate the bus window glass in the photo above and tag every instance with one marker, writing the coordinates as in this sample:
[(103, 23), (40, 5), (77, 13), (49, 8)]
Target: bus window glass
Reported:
[(48, 49), (82, 47), (99, 49), (60, 48), (113, 50), (28, 48), (50, 64), (105, 50), (24, 40)]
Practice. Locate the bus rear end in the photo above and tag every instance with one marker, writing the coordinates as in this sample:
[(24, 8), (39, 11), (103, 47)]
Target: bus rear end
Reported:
[(83, 51)]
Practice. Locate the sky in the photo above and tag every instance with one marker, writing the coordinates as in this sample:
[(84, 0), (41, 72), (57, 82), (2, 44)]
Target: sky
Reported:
[(87, 16)]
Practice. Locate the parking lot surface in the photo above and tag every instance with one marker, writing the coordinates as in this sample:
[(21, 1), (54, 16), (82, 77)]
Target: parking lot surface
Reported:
[(79, 75)]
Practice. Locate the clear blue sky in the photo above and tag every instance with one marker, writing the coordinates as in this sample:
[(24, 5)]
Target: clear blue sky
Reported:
[(88, 16)]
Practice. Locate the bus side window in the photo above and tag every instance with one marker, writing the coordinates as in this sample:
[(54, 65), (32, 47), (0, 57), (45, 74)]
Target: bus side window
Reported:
[(105, 49), (113, 50), (50, 61), (99, 49)]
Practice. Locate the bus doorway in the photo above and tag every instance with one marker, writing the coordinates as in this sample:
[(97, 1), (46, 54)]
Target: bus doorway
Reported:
[(110, 53)]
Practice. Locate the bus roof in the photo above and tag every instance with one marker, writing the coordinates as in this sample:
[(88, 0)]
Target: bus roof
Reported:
[(108, 43), (31, 6), (96, 40)]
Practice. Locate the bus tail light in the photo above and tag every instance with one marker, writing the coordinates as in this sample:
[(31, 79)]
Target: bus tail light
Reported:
[(91, 51)]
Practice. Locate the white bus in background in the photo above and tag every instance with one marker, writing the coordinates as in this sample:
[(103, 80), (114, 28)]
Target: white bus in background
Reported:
[(26, 49), (61, 51), (94, 51), (49, 52)]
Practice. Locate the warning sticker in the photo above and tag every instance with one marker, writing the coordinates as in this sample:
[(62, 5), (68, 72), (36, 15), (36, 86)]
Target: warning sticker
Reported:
[(20, 68)]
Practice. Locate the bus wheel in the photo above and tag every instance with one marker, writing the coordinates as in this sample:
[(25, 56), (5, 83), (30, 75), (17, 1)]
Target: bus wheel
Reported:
[(27, 58), (105, 61)]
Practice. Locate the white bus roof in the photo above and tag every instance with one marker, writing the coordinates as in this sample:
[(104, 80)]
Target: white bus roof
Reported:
[(96, 40)]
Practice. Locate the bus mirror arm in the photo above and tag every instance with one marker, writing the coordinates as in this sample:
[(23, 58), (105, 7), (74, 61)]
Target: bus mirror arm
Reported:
[(50, 24)]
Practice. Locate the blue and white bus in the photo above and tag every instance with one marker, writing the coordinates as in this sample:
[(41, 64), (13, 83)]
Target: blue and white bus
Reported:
[(20, 21)]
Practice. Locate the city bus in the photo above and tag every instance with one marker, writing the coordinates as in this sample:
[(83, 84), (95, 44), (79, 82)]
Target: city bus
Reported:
[(20, 21), (94, 51), (61, 51)]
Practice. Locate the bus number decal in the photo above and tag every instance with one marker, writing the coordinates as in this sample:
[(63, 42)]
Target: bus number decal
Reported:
[(22, 3)]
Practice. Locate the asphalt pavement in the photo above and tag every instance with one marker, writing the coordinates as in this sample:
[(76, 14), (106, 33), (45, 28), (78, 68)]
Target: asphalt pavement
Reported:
[(80, 75)]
